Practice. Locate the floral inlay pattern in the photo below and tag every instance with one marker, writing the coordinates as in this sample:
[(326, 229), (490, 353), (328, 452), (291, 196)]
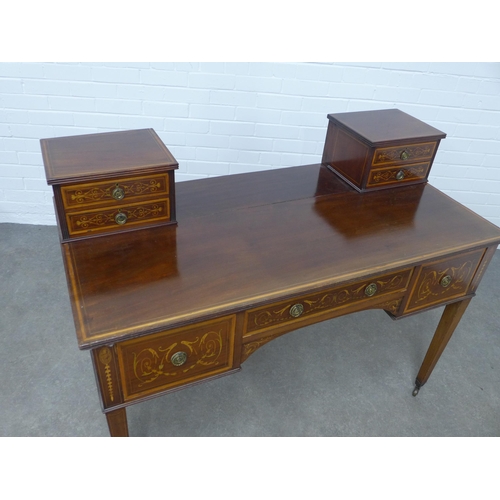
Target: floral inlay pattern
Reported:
[(319, 302), (105, 218), (414, 172), (105, 358), (151, 363), (413, 152), (99, 192), (430, 284)]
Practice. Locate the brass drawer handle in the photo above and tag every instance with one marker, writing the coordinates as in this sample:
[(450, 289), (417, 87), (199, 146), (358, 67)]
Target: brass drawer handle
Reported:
[(404, 155), (118, 193), (445, 281), (120, 218), (371, 289), (296, 310), (179, 358), (400, 175)]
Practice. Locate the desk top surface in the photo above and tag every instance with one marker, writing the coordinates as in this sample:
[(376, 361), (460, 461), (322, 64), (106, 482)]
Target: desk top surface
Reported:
[(245, 239)]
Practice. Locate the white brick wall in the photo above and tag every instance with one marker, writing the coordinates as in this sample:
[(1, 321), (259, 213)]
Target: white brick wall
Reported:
[(224, 118)]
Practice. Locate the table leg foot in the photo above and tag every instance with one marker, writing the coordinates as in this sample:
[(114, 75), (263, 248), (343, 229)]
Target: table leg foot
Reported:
[(117, 423), (449, 321), (418, 385)]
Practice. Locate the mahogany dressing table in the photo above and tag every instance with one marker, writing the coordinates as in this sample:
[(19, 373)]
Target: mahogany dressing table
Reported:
[(254, 256)]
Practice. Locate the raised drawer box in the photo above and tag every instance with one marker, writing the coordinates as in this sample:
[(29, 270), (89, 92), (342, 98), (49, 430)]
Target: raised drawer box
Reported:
[(110, 182), (380, 149), (167, 359)]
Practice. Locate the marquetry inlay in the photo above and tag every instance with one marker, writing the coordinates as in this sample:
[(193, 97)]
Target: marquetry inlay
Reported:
[(105, 357), (443, 280), (165, 359), (391, 306), (429, 286), (413, 152), (399, 174), (98, 192), (324, 301), (251, 347), (106, 218), (149, 363)]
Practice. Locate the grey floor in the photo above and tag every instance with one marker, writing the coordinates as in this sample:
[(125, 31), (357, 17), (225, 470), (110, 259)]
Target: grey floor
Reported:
[(352, 376)]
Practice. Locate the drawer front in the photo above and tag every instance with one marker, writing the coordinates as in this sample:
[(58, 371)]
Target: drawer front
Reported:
[(443, 280), (408, 153), (114, 192), (164, 360), (309, 305), (398, 174), (114, 219)]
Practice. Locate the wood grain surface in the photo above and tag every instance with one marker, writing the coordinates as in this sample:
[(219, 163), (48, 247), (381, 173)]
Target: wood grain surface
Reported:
[(243, 240)]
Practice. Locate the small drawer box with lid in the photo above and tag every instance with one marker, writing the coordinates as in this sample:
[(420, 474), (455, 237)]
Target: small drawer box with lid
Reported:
[(380, 149), (109, 182)]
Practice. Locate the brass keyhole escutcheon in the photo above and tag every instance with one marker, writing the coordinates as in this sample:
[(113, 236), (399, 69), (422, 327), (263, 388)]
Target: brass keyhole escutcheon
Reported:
[(404, 155), (118, 193), (296, 310), (179, 358), (445, 281), (400, 175), (120, 218), (371, 289)]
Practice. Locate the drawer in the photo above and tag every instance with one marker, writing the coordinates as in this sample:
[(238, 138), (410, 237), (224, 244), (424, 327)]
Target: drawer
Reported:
[(401, 155), (113, 219), (398, 174), (167, 359), (314, 304), (114, 192), (443, 280)]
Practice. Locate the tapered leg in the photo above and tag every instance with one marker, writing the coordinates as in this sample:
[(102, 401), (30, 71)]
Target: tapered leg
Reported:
[(117, 423), (449, 321)]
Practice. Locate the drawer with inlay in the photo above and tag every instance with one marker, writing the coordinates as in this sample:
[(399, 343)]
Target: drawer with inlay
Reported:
[(314, 304), (443, 280), (164, 360), (398, 174), (112, 192), (99, 220), (406, 153)]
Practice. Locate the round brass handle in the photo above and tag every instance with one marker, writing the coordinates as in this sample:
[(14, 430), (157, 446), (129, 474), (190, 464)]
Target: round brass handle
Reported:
[(120, 218), (118, 193), (179, 358), (371, 289), (445, 281), (404, 155), (400, 175), (296, 310)]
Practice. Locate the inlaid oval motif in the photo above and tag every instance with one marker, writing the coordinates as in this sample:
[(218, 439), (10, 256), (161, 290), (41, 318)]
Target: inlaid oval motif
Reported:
[(105, 356)]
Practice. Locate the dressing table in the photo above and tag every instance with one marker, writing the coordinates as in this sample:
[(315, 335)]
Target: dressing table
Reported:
[(243, 259)]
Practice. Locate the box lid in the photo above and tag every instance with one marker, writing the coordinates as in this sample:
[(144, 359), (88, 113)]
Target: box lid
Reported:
[(104, 155), (385, 126)]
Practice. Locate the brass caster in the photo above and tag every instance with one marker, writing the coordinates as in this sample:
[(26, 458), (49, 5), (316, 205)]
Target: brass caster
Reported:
[(415, 391)]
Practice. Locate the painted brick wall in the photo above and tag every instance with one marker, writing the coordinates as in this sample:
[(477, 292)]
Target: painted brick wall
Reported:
[(225, 118)]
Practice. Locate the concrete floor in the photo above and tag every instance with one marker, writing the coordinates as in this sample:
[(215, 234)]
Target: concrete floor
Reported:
[(352, 376)]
